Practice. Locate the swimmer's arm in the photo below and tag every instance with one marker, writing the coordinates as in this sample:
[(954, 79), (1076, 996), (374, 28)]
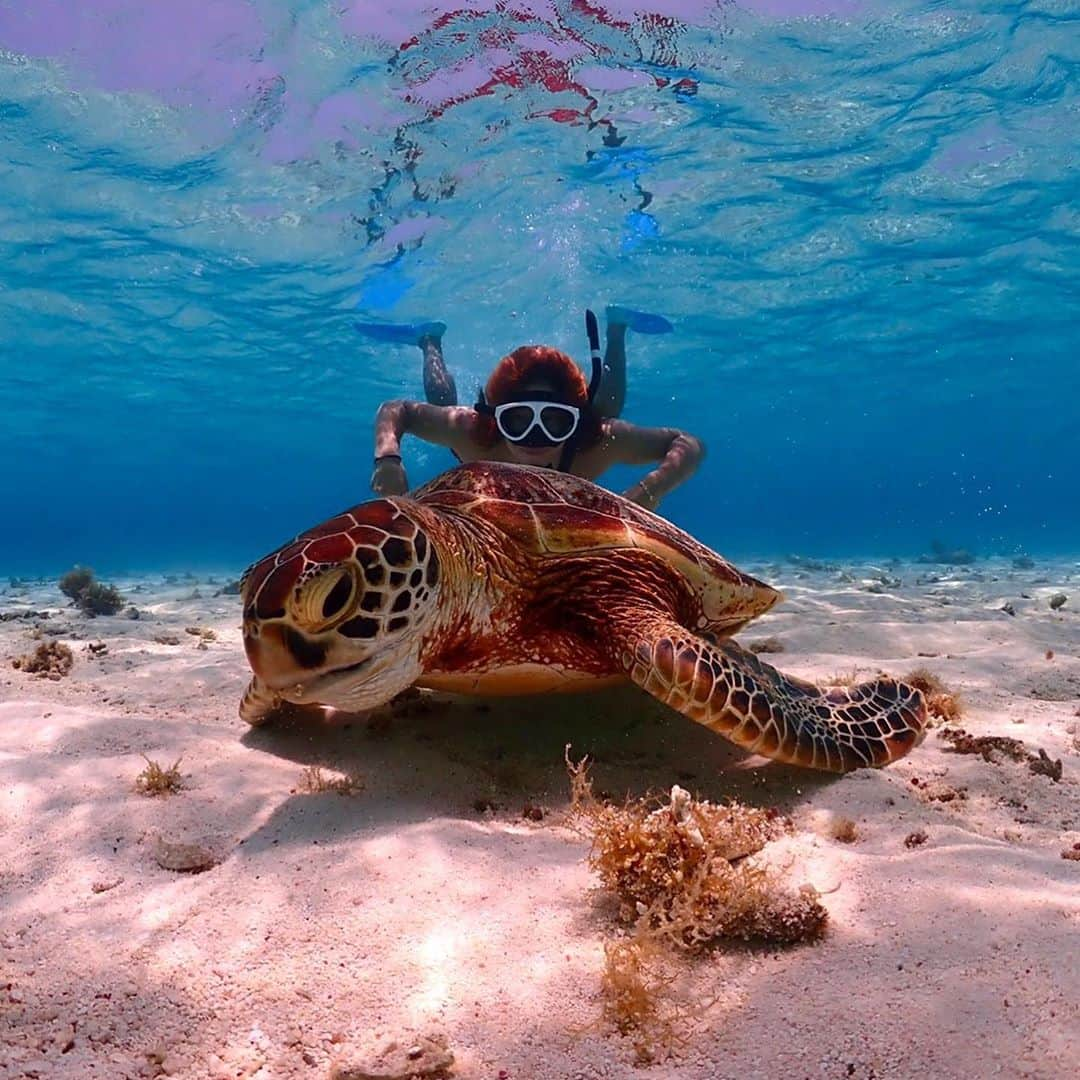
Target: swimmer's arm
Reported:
[(446, 425), (678, 454)]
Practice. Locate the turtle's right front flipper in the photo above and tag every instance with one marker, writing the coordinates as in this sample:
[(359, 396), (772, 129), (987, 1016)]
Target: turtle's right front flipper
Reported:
[(728, 689)]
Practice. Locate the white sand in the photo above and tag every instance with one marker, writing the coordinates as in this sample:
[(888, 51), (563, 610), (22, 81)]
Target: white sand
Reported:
[(335, 919)]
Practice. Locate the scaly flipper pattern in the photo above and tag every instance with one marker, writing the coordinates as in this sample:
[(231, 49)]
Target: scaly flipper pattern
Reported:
[(728, 689), (259, 703)]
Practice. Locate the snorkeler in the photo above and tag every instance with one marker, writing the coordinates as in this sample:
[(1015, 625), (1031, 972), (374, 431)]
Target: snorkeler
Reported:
[(536, 409)]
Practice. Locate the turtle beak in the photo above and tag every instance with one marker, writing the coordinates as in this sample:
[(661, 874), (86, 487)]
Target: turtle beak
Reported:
[(282, 657)]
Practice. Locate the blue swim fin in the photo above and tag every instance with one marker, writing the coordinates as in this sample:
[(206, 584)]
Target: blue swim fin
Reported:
[(643, 322), (400, 333)]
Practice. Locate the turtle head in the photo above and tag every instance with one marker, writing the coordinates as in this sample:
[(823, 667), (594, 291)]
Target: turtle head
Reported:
[(338, 617)]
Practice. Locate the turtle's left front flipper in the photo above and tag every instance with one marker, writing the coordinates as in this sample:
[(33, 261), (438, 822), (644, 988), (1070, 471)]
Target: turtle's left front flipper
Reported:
[(728, 689), (259, 703)]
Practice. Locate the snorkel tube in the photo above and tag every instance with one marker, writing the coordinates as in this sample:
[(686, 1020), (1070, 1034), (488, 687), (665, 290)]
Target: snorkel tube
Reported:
[(593, 332)]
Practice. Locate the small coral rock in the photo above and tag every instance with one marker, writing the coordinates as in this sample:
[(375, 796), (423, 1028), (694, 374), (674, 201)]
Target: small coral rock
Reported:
[(1057, 601), (767, 645), (939, 791), (183, 857)]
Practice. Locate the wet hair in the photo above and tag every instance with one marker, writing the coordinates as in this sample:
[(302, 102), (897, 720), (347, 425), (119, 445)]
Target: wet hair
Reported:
[(532, 364), (537, 363)]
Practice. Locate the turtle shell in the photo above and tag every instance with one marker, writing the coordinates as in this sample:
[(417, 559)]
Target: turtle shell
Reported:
[(552, 514)]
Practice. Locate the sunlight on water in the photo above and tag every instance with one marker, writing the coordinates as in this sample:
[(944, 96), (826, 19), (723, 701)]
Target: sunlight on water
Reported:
[(862, 219)]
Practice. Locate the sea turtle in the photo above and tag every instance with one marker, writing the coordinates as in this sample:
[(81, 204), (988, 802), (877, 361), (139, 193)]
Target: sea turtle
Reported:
[(509, 579)]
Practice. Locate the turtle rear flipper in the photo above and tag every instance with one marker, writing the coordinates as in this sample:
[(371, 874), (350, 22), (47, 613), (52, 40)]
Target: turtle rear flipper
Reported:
[(728, 689)]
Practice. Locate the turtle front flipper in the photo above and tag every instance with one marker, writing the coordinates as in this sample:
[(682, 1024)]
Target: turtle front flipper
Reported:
[(731, 691), (259, 703)]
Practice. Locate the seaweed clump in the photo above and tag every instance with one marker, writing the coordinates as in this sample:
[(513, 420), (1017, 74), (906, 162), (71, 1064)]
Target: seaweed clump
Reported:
[(313, 781), (50, 660), (637, 985), (683, 869), (683, 878), (984, 745), (941, 702), (844, 830), (154, 780), (987, 746), (90, 596)]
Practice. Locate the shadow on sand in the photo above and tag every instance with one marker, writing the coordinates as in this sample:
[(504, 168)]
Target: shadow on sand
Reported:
[(435, 756)]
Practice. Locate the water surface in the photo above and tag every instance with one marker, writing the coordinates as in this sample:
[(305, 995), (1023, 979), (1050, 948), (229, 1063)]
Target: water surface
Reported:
[(862, 218)]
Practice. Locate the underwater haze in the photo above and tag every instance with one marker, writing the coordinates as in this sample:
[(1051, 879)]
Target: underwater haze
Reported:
[(862, 218)]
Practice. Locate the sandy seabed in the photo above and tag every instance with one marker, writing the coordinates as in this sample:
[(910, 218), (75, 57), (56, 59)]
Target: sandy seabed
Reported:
[(428, 902)]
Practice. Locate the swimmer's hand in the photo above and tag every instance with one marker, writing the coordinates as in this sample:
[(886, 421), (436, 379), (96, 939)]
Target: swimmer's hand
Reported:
[(389, 476), (640, 494)]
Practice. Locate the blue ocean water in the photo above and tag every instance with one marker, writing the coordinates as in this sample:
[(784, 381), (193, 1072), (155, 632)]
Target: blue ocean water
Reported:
[(862, 218)]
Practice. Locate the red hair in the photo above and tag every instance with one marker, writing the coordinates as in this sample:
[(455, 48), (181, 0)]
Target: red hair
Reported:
[(541, 364), (537, 363)]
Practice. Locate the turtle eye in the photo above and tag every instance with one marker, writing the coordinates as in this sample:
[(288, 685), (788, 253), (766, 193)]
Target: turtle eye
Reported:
[(324, 600)]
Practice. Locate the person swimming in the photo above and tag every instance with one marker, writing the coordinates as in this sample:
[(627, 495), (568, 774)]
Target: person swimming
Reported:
[(535, 409)]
